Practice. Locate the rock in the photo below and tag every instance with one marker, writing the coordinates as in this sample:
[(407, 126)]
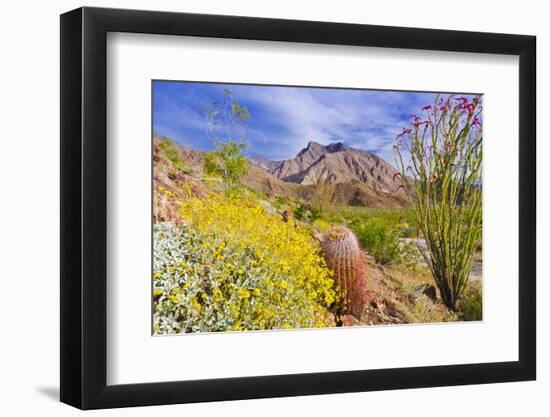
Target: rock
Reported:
[(369, 294), (429, 291), (393, 311), (378, 304), (267, 206), (288, 216), (349, 320)]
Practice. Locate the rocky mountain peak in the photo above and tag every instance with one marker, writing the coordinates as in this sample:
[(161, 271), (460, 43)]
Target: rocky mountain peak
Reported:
[(317, 148), (336, 163), (336, 147), (312, 148)]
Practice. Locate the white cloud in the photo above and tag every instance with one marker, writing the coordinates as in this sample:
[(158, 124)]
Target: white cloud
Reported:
[(362, 119)]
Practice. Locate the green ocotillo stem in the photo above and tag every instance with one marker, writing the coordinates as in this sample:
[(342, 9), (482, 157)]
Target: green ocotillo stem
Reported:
[(444, 174)]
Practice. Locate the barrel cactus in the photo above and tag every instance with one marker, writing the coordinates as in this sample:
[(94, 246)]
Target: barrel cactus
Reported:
[(346, 259)]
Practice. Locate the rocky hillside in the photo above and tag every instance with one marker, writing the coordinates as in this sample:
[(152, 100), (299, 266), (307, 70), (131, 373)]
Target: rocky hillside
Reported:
[(179, 170), (351, 176), (265, 164), (176, 173)]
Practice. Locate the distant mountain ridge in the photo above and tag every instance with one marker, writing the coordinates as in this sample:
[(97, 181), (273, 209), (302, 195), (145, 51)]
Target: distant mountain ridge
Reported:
[(350, 176), (335, 163), (265, 163)]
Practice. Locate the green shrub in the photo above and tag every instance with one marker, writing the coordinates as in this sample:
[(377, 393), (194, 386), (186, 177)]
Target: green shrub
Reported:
[(280, 202), (471, 303), (227, 162), (352, 216), (380, 240), (307, 213), (172, 154), (409, 232)]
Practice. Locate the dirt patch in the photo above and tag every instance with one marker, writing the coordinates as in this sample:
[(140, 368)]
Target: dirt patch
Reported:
[(397, 295)]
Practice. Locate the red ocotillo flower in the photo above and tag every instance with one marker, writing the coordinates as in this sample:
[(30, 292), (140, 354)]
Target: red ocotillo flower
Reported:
[(463, 101), (405, 132), (471, 107), (428, 107), (476, 122)]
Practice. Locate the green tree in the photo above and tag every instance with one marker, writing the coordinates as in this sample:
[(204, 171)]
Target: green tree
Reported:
[(226, 127), (227, 162), (440, 160)]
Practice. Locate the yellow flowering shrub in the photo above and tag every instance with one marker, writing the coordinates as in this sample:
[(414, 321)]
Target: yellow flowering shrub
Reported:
[(232, 266)]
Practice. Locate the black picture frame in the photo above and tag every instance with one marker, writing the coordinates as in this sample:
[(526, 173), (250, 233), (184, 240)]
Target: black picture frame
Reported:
[(84, 207)]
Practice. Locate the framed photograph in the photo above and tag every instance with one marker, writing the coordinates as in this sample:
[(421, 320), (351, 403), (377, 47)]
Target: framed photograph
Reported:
[(257, 208)]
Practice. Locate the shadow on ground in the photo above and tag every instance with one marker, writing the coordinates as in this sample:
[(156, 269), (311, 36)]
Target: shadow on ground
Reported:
[(50, 392)]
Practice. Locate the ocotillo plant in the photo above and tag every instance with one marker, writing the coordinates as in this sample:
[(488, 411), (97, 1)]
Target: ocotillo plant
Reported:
[(440, 159), (346, 259)]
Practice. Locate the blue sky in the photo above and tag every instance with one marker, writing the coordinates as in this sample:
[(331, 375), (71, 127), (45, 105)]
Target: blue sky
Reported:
[(284, 119)]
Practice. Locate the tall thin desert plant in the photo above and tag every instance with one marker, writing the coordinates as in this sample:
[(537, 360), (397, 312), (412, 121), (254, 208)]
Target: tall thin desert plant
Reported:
[(226, 126), (440, 161)]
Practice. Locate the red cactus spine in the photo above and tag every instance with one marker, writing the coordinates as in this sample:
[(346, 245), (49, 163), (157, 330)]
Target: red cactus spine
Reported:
[(345, 257)]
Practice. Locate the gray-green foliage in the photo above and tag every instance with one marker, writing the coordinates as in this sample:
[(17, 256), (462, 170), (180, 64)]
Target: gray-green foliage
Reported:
[(210, 284)]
